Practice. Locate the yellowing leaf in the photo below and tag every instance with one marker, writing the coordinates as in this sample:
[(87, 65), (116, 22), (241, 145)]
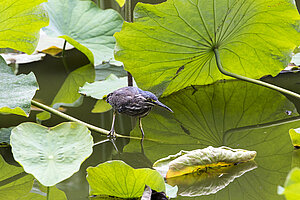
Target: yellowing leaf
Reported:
[(210, 158), (121, 2)]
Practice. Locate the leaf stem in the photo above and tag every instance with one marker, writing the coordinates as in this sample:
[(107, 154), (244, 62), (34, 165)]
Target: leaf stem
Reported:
[(64, 58), (48, 193), (258, 82), (129, 18), (70, 118)]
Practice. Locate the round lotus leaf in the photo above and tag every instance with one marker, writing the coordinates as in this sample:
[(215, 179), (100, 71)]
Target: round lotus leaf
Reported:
[(51, 154)]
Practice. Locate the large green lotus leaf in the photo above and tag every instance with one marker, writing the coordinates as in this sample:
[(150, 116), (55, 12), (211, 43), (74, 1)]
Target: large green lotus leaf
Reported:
[(14, 182), (85, 26), (21, 21), (16, 92), (231, 113), (51, 154), (116, 178), (291, 188), (68, 93), (170, 45)]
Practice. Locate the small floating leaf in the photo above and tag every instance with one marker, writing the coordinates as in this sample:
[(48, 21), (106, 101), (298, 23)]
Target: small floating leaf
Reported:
[(51, 154), (291, 188), (186, 162), (295, 136), (116, 178), (16, 92)]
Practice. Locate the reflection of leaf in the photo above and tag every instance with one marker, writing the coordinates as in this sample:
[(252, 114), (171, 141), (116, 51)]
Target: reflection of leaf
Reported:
[(204, 116), (51, 154), (85, 26), (115, 178), (186, 162), (295, 136), (170, 45), (68, 93), (99, 89), (16, 92), (14, 183), (291, 185), (21, 21), (206, 183), (5, 135)]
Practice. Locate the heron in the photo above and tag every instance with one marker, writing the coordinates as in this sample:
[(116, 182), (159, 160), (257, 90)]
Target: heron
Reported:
[(134, 102)]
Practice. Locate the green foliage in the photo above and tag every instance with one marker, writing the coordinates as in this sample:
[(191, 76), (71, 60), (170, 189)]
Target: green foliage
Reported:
[(51, 154), (21, 21), (85, 26), (115, 178), (291, 188), (101, 106), (170, 45), (14, 182), (16, 92)]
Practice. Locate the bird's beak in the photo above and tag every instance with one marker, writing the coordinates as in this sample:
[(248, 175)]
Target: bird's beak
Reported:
[(158, 103)]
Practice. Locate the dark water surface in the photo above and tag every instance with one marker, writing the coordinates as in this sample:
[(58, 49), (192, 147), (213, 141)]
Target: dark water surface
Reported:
[(230, 113)]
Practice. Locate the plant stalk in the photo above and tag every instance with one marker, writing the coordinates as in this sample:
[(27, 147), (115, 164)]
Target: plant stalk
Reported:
[(48, 193), (70, 118), (258, 82), (129, 18), (64, 58)]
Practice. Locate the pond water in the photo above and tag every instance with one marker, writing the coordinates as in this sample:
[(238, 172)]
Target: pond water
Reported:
[(229, 113)]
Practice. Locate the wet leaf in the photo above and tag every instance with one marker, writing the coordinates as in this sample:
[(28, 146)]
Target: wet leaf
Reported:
[(292, 185), (51, 154), (115, 178), (14, 182), (295, 136), (85, 26), (16, 91), (68, 93), (99, 89), (54, 194), (231, 113), (186, 162), (170, 45), (20, 24)]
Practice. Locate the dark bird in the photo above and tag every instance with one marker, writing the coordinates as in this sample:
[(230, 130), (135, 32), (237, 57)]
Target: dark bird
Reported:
[(134, 102)]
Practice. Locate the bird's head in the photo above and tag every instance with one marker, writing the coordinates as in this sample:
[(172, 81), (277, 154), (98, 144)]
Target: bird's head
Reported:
[(152, 99)]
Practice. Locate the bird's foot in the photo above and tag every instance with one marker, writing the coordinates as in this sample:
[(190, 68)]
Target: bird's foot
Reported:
[(112, 137)]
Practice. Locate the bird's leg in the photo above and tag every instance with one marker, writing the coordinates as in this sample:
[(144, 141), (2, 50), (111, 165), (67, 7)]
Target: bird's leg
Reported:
[(112, 135), (141, 128)]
